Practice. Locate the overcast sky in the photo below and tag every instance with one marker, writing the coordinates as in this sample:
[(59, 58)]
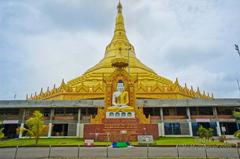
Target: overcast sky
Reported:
[(42, 42)]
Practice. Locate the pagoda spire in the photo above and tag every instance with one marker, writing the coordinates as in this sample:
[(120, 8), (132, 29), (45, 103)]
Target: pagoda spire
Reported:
[(119, 42), (119, 26), (119, 7)]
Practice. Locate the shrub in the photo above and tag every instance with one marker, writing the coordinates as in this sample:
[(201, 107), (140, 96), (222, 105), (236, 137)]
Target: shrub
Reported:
[(205, 133), (222, 138), (1, 133), (237, 134)]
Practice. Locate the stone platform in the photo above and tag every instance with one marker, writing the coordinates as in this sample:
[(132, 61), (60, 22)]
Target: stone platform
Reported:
[(120, 129)]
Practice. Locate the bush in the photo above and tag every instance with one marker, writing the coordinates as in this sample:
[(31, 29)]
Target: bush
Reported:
[(205, 133), (236, 115), (1, 133), (237, 134), (222, 138)]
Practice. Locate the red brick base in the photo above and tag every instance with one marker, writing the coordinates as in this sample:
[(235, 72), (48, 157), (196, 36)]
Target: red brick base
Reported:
[(119, 130)]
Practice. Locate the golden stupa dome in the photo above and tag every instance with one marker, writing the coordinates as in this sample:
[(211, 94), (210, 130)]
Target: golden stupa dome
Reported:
[(120, 52)]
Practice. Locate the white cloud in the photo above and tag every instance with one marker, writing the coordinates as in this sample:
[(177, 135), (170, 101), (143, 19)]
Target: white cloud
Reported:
[(45, 41)]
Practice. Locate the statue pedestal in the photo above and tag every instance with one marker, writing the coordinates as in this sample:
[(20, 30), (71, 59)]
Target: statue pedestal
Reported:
[(118, 115), (119, 129)]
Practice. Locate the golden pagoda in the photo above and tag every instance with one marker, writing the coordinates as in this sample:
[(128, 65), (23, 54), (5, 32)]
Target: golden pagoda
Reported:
[(91, 85)]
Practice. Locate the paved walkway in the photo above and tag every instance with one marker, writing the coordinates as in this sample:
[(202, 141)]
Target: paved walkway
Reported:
[(95, 152)]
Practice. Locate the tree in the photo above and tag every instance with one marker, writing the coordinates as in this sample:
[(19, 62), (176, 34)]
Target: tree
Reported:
[(1, 133), (209, 133), (35, 126), (205, 133), (236, 115)]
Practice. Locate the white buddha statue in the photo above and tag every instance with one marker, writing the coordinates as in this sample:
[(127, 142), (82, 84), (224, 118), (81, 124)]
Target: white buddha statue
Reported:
[(120, 99), (120, 96)]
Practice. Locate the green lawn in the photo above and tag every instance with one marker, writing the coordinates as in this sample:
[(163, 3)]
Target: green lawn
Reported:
[(75, 141), (185, 140), (46, 141)]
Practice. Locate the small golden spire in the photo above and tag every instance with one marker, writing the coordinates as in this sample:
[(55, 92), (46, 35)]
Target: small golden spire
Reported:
[(63, 83), (176, 82), (119, 7), (198, 90)]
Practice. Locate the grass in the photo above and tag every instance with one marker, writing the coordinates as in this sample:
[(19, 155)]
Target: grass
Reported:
[(185, 140), (76, 141), (42, 142)]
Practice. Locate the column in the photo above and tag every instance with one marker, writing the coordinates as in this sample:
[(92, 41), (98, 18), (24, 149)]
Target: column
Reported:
[(189, 121), (217, 121), (78, 122), (22, 123), (50, 122), (162, 121)]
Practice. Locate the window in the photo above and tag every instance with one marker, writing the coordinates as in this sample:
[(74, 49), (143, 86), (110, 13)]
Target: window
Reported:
[(172, 128), (71, 111), (169, 111), (181, 111), (201, 111), (9, 111), (59, 111), (224, 111), (46, 112)]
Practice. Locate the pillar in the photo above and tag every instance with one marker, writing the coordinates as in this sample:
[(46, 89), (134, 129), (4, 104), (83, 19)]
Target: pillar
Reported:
[(50, 122), (217, 121), (189, 120), (78, 122), (218, 129), (22, 123), (162, 121)]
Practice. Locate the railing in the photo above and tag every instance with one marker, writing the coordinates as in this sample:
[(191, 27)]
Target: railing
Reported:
[(203, 117), (174, 117), (10, 117), (148, 151), (225, 117)]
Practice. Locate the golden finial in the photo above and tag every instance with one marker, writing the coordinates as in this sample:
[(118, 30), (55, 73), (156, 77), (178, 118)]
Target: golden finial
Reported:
[(119, 7), (192, 88), (63, 83), (176, 82), (198, 90)]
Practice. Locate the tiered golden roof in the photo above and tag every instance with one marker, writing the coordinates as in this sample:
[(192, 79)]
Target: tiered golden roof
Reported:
[(90, 85)]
